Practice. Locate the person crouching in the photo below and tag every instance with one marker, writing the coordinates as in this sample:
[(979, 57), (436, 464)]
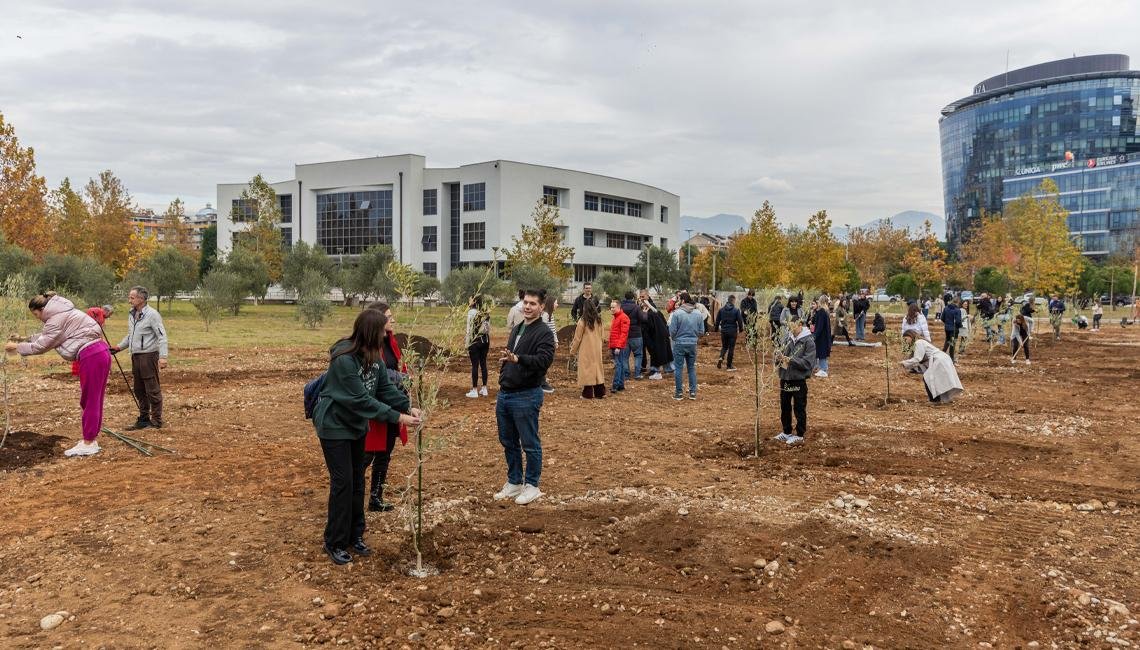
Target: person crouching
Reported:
[(939, 376)]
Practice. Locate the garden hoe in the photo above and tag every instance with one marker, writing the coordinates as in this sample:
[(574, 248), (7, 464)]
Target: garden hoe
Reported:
[(142, 446)]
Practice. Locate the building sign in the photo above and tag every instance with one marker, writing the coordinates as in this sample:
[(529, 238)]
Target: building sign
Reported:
[(1103, 161)]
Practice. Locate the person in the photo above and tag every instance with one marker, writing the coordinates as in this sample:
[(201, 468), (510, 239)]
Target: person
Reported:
[(748, 306), (1097, 313), (380, 440), (146, 340), (100, 316), (1019, 337), (356, 390), (795, 359), (587, 295), (966, 329), (1081, 321), (515, 315), (987, 311), (926, 307), (878, 324), (685, 327), (75, 336), (951, 323), (793, 310), (635, 344), (525, 360), (619, 334), (775, 313), (915, 321), (706, 317), (841, 322), (821, 332), (861, 306), (655, 332), (1056, 313), (478, 339), (730, 321), (674, 302), (939, 376), (939, 304), (587, 347), (549, 304)]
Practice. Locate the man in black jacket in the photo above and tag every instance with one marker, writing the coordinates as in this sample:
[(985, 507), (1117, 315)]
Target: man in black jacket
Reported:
[(635, 346), (775, 310), (730, 322), (525, 360), (861, 306), (580, 301)]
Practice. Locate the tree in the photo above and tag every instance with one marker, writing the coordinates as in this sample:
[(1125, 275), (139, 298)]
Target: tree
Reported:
[(369, 277), (13, 259), (853, 281), (14, 293), (303, 258), (704, 266), (461, 284), (816, 257), (759, 257), (168, 271), (663, 271), (990, 245), (312, 302), (529, 276), (209, 253), (263, 237), (175, 230), (613, 285), (1047, 259), (543, 245), (427, 285), (209, 306), (989, 279), (251, 269), (904, 285), (926, 261), (73, 221), (113, 238), (24, 218), (221, 289), (876, 251), (92, 282), (404, 278)]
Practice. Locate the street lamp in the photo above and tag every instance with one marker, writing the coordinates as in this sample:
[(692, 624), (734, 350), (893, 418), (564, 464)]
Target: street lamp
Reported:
[(688, 247), (495, 251), (846, 241), (648, 245)]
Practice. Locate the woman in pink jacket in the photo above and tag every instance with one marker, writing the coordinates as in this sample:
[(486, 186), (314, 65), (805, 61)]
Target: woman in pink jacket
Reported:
[(76, 337)]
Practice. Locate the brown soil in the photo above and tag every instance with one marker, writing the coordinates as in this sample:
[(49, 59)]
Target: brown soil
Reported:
[(655, 516), (27, 448)]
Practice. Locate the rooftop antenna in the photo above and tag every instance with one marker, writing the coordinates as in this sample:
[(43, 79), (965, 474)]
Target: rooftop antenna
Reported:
[(1007, 67)]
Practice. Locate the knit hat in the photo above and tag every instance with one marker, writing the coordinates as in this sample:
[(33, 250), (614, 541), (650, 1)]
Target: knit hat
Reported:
[(107, 309)]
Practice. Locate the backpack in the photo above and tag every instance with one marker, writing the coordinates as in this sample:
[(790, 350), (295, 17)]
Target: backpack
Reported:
[(312, 393)]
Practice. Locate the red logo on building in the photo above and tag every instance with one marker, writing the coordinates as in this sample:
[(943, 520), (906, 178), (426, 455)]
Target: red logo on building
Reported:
[(1092, 162)]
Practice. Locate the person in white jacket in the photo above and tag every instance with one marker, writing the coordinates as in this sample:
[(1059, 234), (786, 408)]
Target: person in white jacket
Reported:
[(938, 372), (914, 321)]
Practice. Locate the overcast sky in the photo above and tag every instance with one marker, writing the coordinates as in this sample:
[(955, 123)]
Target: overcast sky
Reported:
[(811, 105)]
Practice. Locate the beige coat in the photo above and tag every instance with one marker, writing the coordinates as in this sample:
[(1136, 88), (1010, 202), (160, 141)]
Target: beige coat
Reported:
[(587, 345)]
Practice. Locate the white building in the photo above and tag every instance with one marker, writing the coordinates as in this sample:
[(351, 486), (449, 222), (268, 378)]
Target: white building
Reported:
[(442, 218)]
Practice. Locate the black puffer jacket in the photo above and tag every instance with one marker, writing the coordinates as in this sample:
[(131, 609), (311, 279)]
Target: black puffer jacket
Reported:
[(534, 345)]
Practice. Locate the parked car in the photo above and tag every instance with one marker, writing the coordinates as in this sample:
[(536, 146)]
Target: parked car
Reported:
[(967, 295), (881, 297), (1120, 301), (1038, 300)]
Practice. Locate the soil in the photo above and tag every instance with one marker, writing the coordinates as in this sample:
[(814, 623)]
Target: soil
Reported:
[(1008, 517), (27, 448)]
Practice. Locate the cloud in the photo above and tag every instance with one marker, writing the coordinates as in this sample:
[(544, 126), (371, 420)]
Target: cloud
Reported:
[(769, 185)]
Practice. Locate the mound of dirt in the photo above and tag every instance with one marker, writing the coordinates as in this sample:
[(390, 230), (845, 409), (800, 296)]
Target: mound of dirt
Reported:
[(421, 346), (566, 335), (28, 448)]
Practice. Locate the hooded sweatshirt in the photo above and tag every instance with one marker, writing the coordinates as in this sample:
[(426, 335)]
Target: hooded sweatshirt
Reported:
[(686, 324), (66, 329), (800, 351)]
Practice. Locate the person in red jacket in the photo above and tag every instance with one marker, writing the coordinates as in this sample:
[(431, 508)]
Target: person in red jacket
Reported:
[(619, 335)]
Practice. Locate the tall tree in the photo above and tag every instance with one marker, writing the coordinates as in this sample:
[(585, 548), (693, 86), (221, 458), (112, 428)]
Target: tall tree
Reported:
[(1048, 260), (303, 258), (926, 261), (167, 271), (663, 270), (542, 244), (24, 217), (209, 253), (990, 245), (816, 257), (175, 230), (73, 221), (877, 252), (708, 266), (759, 257), (112, 209), (263, 237)]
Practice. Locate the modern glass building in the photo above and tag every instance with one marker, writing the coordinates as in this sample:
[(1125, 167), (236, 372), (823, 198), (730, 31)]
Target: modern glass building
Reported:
[(1072, 120)]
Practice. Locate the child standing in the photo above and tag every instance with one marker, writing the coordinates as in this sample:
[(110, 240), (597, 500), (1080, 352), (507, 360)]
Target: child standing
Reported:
[(795, 358)]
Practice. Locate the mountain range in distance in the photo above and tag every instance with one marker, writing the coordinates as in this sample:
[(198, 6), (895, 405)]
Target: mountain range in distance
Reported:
[(726, 224)]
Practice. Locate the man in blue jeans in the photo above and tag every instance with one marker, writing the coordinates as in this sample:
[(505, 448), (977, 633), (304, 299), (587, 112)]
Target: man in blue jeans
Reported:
[(685, 327), (861, 306), (525, 360)]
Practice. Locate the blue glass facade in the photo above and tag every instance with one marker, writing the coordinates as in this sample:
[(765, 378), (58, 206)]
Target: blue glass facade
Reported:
[(350, 222), (1001, 143)]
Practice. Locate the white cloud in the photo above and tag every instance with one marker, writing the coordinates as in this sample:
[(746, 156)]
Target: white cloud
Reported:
[(769, 185)]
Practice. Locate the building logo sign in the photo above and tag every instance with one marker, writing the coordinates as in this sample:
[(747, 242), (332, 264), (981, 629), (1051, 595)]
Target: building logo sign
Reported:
[(1105, 161), (1069, 163)]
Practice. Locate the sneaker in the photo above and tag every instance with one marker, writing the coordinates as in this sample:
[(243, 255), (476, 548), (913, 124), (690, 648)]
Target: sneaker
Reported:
[(782, 437), (337, 555), (473, 393), (529, 493), (1028, 362), (509, 491), (794, 440), (483, 391), (678, 396), (692, 396), (83, 448), (547, 388), (820, 373), (655, 376), (719, 363), (731, 369), (139, 424)]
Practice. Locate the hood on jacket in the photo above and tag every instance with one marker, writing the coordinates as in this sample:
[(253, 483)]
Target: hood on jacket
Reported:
[(56, 305), (804, 333), (688, 307)]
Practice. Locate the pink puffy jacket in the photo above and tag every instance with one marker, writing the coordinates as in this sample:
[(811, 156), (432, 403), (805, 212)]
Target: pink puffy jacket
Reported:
[(66, 329)]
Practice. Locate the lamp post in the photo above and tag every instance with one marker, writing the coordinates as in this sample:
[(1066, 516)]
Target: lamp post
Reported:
[(495, 251), (688, 249), (648, 246), (846, 241)]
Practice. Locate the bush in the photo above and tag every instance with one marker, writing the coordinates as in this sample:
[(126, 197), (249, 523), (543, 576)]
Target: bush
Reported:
[(904, 285), (990, 280), (209, 308), (225, 288), (312, 301), (91, 282), (251, 271), (527, 276), (461, 284), (13, 259), (426, 285), (613, 285), (303, 258)]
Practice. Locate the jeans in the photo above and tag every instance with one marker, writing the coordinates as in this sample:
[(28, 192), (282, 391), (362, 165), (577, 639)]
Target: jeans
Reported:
[(517, 416), (619, 368), (860, 323), (793, 396), (636, 352), (345, 462), (728, 344), (685, 354), (823, 364)]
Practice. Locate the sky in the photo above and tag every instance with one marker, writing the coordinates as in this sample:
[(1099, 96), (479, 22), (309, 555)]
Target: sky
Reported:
[(811, 105)]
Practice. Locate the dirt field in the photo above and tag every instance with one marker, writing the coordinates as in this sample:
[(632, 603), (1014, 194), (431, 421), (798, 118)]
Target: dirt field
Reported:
[(1008, 519)]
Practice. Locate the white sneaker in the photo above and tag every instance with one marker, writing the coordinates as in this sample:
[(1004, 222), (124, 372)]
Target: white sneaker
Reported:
[(782, 437), (656, 375), (529, 493), (794, 440), (83, 448), (820, 373), (483, 391), (473, 393), (1028, 362), (509, 491)]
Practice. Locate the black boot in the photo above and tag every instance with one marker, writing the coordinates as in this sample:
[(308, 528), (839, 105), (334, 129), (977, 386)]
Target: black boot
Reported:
[(377, 504), (141, 423)]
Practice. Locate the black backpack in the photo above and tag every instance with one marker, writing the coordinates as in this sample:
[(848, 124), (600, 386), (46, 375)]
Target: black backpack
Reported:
[(312, 394)]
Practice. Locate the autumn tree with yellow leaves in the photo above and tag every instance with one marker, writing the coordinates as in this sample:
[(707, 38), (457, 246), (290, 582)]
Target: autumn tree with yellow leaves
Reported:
[(542, 244), (1047, 260), (175, 230), (815, 256), (263, 236), (876, 252), (24, 217), (758, 257), (926, 261)]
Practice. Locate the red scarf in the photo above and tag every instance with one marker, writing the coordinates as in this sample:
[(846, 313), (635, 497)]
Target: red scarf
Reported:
[(377, 437)]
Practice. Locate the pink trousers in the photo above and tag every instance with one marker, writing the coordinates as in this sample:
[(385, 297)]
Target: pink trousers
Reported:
[(94, 369)]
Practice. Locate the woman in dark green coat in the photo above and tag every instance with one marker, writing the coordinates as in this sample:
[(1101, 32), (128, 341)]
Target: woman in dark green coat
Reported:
[(356, 390)]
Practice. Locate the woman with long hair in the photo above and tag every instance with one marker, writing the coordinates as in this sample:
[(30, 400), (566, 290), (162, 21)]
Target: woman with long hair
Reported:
[(356, 390), (1019, 337), (938, 373), (75, 336), (587, 345), (478, 341), (549, 304), (915, 322), (381, 437)]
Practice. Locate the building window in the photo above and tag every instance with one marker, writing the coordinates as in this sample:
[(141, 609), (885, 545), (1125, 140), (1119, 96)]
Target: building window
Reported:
[(474, 198), (592, 202), (474, 236), (431, 202), (432, 269), (587, 237), (664, 243), (585, 272), (634, 208), (550, 196), (664, 214), (243, 210), (634, 242), (350, 222), (613, 206), (615, 240), (285, 202), (287, 238), (430, 239)]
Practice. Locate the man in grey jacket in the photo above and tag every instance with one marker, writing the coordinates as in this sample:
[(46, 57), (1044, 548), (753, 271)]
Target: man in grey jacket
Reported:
[(686, 325), (796, 357), (146, 339)]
